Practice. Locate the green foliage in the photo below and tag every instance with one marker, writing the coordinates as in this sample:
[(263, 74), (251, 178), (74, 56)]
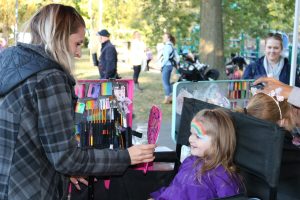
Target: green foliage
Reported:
[(150, 17), (153, 17), (256, 18), (176, 17)]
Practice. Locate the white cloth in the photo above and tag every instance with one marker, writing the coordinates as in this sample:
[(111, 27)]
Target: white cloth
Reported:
[(275, 70), (137, 52)]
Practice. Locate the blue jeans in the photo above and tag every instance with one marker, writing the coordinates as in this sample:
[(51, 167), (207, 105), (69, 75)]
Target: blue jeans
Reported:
[(166, 75)]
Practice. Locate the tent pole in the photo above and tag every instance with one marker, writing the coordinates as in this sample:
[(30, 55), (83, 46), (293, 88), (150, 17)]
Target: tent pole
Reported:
[(295, 44)]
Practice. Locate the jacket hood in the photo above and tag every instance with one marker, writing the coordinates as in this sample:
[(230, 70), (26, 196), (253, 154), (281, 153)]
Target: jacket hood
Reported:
[(19, 62)]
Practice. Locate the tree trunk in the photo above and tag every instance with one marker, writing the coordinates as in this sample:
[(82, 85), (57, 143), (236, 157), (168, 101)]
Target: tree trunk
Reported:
[(211, 35)]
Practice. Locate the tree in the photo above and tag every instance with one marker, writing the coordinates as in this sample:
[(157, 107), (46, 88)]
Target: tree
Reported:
[(256, 18), (151, 17), (25, 10), (174, 16), (7, 18), (211, 35)]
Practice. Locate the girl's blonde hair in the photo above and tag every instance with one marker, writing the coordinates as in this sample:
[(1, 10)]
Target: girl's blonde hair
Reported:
[(51, 27), (220, 128), (265, 107)]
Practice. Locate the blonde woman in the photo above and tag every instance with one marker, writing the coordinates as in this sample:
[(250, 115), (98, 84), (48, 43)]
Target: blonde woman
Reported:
[(37, 144), (273, 64)]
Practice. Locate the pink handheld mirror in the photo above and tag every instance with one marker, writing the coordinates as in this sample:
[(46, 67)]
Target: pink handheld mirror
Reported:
[(154, 124)]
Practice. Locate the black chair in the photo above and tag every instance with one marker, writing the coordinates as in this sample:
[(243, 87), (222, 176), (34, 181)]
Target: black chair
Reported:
[(260, 154)]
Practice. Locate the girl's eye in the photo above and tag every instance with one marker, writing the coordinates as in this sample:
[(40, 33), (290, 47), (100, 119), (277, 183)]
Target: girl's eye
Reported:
[(200, 137), (196, 135)]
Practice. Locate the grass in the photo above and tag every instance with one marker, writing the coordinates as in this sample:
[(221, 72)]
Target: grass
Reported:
[(150, 81)]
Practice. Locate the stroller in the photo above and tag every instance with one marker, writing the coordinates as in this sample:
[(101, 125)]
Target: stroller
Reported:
[(190, 69)]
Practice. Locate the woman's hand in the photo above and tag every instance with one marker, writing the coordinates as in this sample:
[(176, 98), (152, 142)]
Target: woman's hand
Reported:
[(271, 84), (77, 180), (142, 153)]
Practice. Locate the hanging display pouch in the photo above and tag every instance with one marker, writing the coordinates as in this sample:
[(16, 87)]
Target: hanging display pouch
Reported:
[(80, 90), (94, 90), (120, 92), (80, 107), (106, 88)]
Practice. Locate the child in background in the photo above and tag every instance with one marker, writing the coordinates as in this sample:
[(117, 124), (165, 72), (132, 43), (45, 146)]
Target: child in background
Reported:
[(209, 172), (149, 57), (272, 108)]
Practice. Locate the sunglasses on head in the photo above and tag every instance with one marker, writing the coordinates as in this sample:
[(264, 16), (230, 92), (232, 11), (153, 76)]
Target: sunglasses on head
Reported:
[(275, 34)]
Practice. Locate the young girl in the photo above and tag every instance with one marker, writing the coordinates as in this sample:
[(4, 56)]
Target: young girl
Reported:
[(209, 172), (273, 107)]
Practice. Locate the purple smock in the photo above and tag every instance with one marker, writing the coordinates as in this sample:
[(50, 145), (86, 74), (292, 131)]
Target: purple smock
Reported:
[(215, 183)]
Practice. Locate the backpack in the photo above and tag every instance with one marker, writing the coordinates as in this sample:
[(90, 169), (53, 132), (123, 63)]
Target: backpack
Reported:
[(172, 59)]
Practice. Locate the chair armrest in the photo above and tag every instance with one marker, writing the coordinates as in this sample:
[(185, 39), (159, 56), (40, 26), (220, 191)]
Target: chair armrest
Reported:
[(167, 156), (235, 197)]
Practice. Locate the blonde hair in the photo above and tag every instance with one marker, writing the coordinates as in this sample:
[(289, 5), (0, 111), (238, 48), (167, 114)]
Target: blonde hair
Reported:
[(264, 107), (220, 128), (51, 27)]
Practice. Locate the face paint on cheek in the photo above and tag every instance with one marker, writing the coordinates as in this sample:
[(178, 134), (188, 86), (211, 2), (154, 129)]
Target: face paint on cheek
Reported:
[(199, 129), (204, 138)]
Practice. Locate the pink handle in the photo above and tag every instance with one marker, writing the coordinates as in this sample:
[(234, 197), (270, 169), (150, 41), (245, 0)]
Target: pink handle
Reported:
[(106, 183), (146, 168)]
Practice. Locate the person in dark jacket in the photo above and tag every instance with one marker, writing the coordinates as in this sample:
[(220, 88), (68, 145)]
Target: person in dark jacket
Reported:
[(237, 61), (272, 64), (108, 56), (38, 150)]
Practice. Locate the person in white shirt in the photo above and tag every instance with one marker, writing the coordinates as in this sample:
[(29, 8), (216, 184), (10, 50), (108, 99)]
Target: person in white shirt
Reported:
[(137, 55)]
